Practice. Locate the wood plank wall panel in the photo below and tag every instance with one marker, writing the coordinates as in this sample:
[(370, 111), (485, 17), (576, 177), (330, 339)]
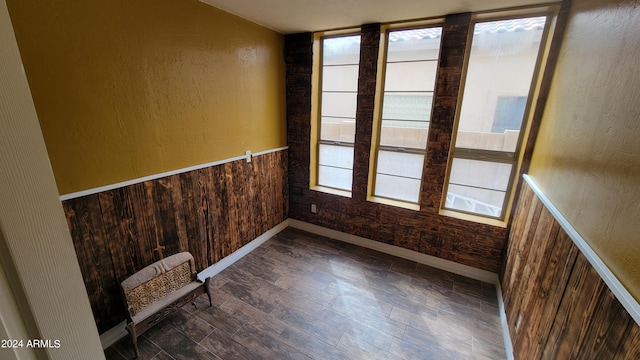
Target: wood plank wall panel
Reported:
[(630, 349), (210, 212), (425, 231), (556, 304), (608, 325), (96, 263), (570, 324)]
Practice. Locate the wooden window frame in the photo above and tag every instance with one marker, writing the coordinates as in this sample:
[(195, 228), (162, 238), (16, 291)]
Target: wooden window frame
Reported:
[(378, 109), (515, 158), (316, 110)]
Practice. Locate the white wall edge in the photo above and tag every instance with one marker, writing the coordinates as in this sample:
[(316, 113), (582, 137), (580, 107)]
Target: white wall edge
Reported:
[(622, 294), (506, 336), (119, 331), (161, 175), (447, 265)]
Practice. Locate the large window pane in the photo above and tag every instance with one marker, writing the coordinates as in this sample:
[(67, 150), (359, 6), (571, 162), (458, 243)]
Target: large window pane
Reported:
[(338, 98), (398, 175), (498, 81), (501, 66), (405, 120), (478, 186), (404, 134), (341, 50), (335, 167), (414, 44), (410, 74), (397, 188), (340, 78), (407, 106), (339, 104), (335, 177), (338, 129)]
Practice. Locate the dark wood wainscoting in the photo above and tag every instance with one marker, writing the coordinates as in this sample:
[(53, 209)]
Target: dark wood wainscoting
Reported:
[(557, 305), (210, 212)]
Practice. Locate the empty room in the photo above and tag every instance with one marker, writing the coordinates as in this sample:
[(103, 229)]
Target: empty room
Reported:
[(217, 179)]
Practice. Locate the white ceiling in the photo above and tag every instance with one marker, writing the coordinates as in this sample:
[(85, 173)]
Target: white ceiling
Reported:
[(291, 16)]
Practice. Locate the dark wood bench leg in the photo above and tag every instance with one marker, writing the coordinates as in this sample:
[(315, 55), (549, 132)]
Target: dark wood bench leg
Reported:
[(206, 288), (131, 328)]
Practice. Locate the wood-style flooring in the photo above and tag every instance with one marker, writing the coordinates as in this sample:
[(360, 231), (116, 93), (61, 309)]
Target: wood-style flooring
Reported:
[(304, 296)]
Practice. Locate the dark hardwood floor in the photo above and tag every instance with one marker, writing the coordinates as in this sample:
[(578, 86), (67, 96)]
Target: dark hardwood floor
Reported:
[(303, 296)]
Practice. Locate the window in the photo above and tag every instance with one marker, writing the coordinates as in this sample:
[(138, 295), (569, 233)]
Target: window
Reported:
[(497, 87), (410, 66), (338, 69), (498, 83), (509, 113)]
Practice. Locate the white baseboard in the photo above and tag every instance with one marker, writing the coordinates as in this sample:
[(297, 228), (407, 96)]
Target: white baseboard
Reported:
[(238, 254), (447, 265), (506, 336), (114, 334), (119, 331)]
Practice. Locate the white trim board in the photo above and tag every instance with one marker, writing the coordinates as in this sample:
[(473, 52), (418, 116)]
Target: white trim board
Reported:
[(447, 265), (119, 331), (238, 254), (114, 334), (92, 191), (506, 336), (622, 294)]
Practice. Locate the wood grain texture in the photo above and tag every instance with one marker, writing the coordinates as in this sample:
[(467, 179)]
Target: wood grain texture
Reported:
[(556, 304), (209, 212), (630, 349), (571, 324), (305, 296), (426, 231)]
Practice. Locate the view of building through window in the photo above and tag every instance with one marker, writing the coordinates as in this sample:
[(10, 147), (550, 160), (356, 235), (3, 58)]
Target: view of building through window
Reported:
[(483, 159), (498, 81), (409, 81), (340, 59)]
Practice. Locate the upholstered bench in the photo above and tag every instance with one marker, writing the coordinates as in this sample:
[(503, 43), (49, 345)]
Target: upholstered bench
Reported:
[(160, 290)]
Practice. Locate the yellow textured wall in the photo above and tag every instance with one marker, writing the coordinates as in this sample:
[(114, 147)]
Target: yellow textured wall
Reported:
[(125, 89), (587, 156)]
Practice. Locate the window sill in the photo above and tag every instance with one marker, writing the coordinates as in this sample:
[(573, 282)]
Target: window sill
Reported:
[(474, 218), (397, 203), (332, 191)]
